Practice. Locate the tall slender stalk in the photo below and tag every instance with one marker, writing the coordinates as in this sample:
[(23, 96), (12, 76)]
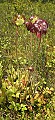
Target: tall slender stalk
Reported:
[(31, 43), (16, 45), (39, 44), (16, 40), (39, 41)]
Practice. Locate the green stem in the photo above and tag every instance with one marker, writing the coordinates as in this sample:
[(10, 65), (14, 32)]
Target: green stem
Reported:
[(16, 41), (16, 44), (31, 42), (39, 44)]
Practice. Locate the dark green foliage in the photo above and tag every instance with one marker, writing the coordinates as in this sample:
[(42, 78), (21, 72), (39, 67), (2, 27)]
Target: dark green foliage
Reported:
[(43, 1)]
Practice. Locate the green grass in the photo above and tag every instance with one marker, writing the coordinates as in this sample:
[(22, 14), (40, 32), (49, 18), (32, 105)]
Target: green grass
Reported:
[(25, 94)]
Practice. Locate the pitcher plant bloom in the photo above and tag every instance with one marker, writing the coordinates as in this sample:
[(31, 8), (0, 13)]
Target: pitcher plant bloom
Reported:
[(37, 26)]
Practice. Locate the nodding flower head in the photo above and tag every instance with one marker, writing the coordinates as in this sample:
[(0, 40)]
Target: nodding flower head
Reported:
[(18, 20), (41, 26), (37, 26), (30, 26)]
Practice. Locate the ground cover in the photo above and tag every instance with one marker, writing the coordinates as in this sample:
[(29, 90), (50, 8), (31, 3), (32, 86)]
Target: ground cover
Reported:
[(26, 71)]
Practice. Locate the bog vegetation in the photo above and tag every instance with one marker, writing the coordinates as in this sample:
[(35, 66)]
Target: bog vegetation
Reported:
[(27, 59)]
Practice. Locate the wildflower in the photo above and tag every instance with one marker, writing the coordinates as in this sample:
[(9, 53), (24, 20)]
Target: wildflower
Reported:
[(30, 27), (37, 26), (40, 27)]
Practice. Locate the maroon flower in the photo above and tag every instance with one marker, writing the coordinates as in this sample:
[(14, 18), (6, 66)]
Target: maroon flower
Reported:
[(30, 26), (38, 27)]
